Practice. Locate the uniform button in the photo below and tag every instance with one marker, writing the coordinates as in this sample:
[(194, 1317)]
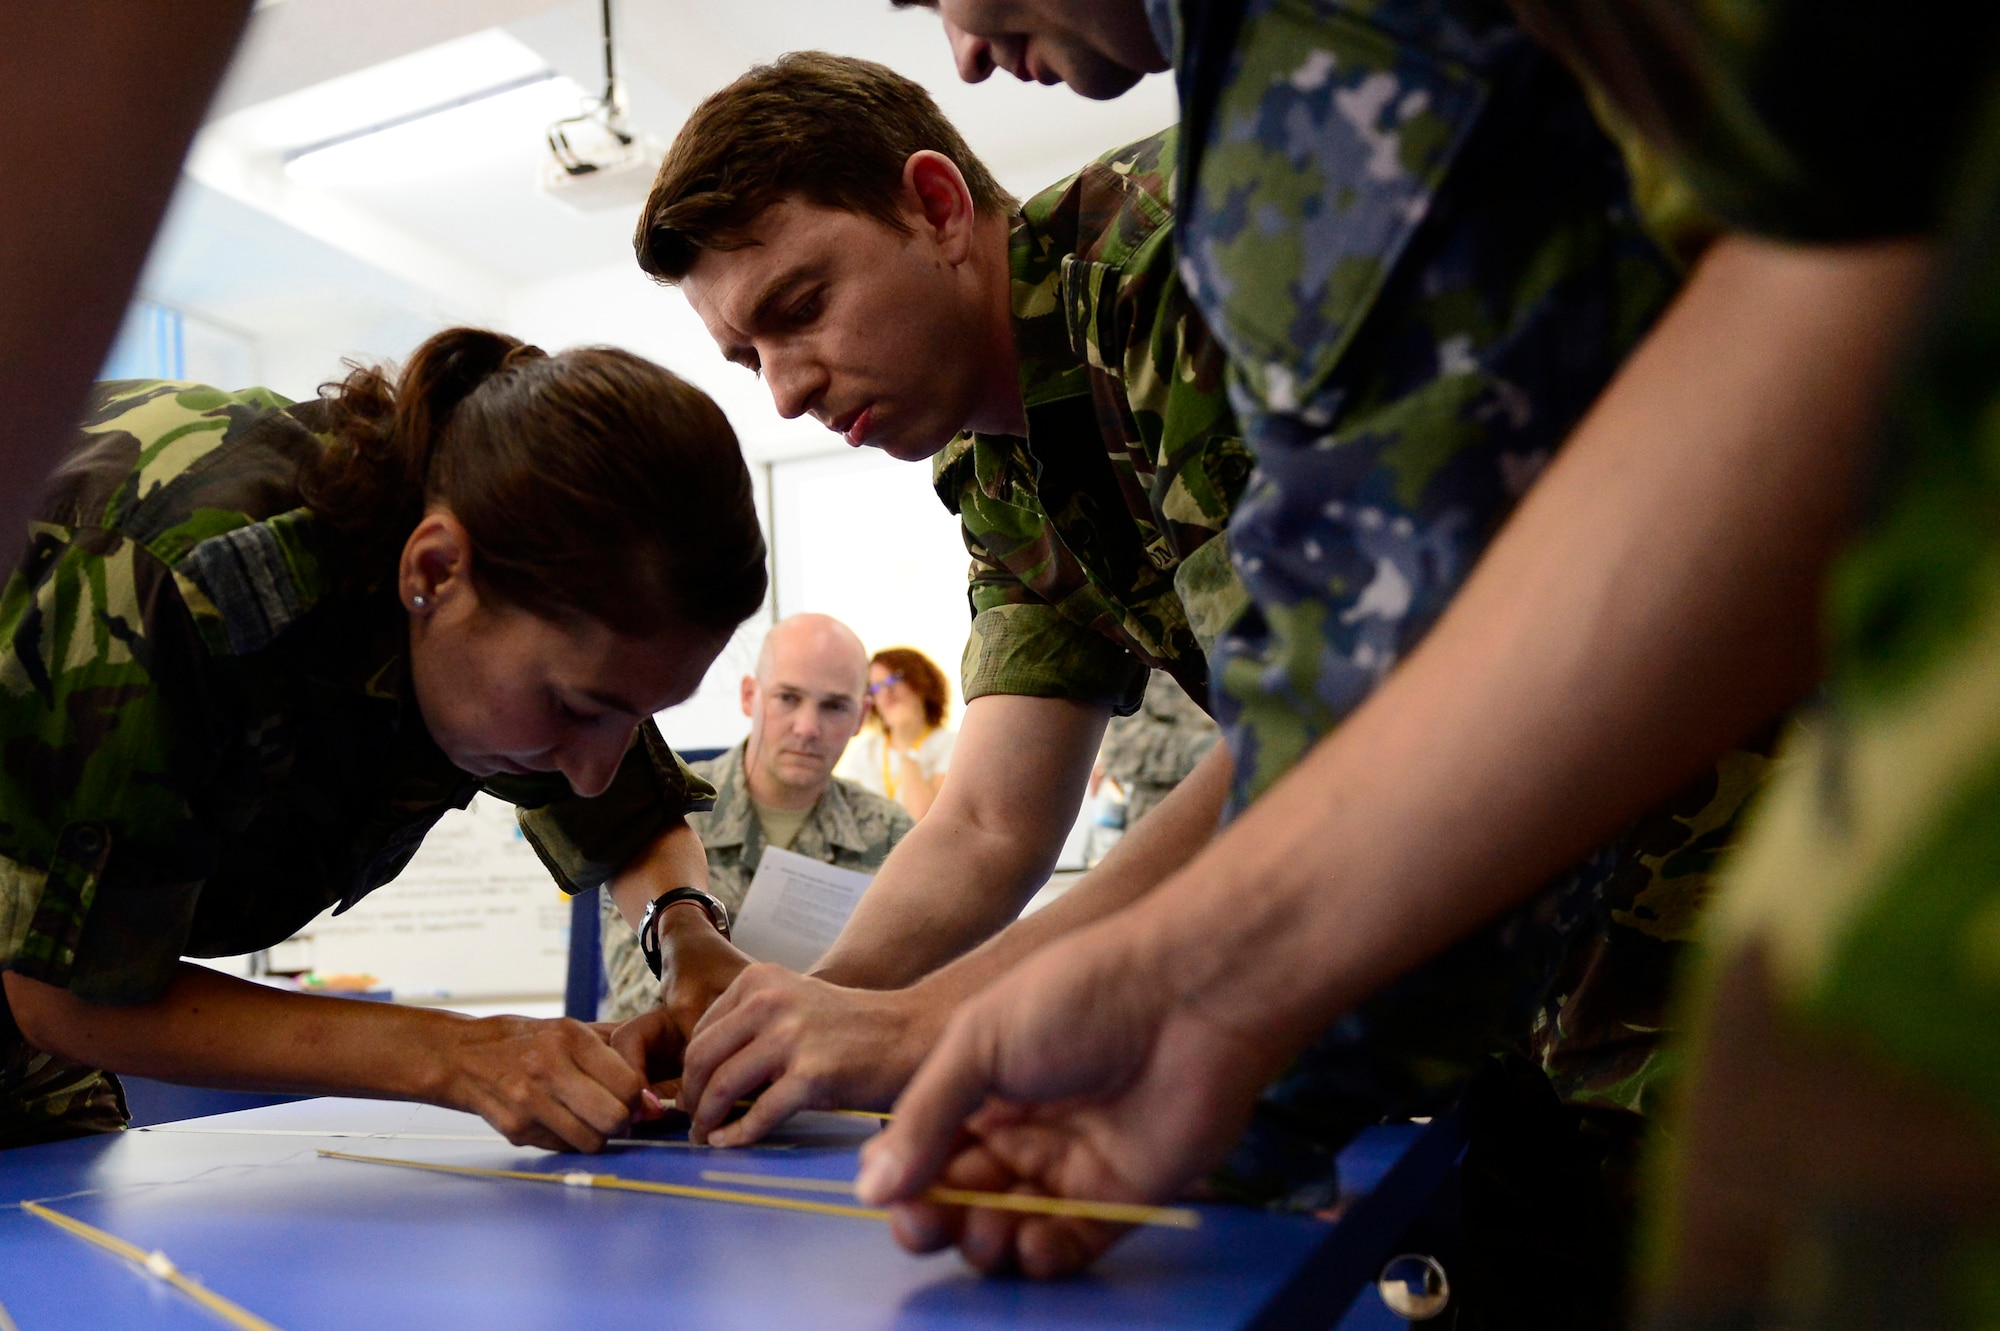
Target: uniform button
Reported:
[(85, 842)]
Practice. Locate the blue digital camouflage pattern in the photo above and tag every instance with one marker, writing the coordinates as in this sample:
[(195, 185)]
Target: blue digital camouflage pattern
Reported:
[(1419, 250)]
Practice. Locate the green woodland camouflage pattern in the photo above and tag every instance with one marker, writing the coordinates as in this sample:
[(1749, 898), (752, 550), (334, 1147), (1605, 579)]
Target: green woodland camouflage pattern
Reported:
[(206, 739), (1421, 254), (850, 828), (1092, 539), (1151, 751), (1869, 878)]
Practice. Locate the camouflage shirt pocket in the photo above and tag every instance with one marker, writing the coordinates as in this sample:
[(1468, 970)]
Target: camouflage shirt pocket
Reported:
[(1327, 147)]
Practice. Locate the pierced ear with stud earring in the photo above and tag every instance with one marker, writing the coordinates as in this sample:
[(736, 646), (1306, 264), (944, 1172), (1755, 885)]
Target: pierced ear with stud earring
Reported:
[(420, 602)]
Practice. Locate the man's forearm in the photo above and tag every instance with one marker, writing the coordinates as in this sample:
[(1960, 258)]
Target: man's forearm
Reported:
[(1654, 602), (1161, 843), (959, 876), (947, 887)]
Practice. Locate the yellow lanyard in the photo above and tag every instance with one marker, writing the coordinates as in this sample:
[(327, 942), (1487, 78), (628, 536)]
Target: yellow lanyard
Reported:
[(888, 783)]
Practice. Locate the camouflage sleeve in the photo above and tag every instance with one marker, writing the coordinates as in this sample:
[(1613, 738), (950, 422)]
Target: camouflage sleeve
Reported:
[(111, 719), (1020, 644), (1173, 373), (1029, 649), (585, 841), (631, 987), (1785, 118)]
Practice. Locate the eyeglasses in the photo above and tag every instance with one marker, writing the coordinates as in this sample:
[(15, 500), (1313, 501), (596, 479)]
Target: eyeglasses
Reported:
[(888, 683)]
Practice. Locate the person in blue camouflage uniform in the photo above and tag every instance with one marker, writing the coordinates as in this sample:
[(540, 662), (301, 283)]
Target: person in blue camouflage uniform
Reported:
[(216, 724), (1421, 253), (1832, 1159), (1766, 101)]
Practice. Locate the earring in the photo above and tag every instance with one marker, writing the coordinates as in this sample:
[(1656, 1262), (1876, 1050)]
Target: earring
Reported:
[(420, 602)]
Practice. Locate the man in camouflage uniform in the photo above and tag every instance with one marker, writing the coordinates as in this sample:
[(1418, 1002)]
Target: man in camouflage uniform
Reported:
[(805, 702), (1153, 750), (210, 736), (1419, 249), (1090, 518)]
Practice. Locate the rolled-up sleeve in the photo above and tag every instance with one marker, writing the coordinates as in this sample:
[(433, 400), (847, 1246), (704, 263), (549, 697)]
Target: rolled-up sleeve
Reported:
[(1022, 643), (585, 842)]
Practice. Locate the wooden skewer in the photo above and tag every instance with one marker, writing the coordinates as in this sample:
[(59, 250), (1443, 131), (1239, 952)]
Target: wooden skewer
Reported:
[(156, 1264), (1121, 1213), (581, 1179)]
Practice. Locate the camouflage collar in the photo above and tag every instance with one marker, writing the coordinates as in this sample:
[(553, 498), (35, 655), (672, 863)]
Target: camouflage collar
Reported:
[(1068, 253), (836, 820), (733, 822)]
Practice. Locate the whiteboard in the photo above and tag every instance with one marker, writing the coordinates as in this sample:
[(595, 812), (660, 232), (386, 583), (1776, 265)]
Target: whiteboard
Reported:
[(473, 916)]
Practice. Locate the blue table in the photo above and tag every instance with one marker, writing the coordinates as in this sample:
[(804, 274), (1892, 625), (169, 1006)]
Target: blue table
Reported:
[(242, 1202)]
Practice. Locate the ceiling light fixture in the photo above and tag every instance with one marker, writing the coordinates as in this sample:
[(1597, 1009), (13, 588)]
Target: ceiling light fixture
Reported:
[(597, 162), (299, 154)]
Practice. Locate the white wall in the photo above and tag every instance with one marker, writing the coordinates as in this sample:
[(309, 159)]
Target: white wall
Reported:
[(863, 537)]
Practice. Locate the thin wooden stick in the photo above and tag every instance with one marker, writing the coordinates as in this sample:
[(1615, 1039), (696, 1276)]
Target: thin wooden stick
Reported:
[(1121, 1213), (580, 1179), (6, 1322), (156, 1264), (491, 1139)]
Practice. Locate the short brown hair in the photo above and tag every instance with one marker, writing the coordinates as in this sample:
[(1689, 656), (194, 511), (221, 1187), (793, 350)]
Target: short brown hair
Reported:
[(830, 129), (592, 483), (922, 675)]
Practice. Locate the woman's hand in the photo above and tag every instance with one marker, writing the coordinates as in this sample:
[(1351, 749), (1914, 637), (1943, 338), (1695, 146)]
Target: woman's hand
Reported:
[(697, 965), (915, 791), (554, 1084)]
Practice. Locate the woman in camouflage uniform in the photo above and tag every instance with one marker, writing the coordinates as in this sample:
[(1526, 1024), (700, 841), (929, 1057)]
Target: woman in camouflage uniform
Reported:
[(254, 650)]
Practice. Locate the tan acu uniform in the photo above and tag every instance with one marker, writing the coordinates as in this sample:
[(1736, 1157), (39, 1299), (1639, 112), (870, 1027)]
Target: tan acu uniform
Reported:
[(1151, 751), (850, 828), (207, 729)]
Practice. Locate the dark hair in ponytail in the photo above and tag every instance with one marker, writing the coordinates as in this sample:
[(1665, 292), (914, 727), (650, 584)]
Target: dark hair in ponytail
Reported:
[(592, 483)]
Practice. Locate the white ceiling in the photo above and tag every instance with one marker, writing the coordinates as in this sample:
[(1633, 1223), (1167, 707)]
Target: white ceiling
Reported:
[(362, 250), (461, 216)]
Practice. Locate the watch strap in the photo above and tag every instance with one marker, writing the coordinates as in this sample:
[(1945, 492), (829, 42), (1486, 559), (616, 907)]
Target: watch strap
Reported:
[(649, 926)]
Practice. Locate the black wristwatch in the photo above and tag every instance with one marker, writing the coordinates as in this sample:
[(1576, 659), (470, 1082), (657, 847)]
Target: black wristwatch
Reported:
[(649, 931)]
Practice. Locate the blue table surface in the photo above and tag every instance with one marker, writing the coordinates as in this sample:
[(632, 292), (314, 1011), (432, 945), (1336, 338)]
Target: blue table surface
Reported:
[(242, 1202)]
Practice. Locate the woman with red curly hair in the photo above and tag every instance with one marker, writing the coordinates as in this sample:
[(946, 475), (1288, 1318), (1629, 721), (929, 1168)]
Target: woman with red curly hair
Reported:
[(905, 748)]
